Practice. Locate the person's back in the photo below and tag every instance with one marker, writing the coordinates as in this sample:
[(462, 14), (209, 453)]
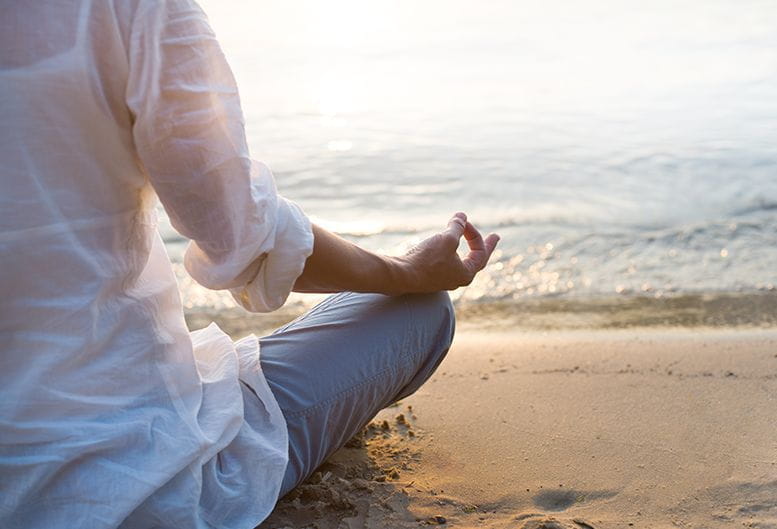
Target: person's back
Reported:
[(98, 380)]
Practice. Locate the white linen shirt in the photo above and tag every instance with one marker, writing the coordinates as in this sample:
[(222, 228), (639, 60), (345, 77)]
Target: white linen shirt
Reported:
[(111, 413)]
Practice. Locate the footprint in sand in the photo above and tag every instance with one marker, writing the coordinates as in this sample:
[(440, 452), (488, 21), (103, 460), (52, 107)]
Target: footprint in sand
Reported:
[(557, 500), (553, 523), (562, 499), (548, 523)]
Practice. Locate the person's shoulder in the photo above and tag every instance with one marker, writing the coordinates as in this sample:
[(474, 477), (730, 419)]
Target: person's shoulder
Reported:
[(140, 16), (163, 5), (164, 9)]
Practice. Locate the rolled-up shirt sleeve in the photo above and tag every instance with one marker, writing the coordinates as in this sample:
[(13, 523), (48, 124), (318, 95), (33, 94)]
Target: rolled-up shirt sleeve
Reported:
[(189, 133)]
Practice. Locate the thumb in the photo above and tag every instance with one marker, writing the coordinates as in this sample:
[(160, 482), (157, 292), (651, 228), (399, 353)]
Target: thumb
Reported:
[(457, 224)]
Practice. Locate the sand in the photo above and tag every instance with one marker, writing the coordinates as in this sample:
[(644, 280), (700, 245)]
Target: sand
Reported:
[(649, 428)]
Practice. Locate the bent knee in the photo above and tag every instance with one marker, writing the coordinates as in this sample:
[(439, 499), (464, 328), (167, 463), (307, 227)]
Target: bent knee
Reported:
[(435, 313)]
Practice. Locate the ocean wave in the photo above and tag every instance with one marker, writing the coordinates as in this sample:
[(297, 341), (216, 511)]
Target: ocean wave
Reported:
[(758, 206)]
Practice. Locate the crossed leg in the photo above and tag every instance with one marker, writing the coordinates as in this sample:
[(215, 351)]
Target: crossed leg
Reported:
[(335, 367)]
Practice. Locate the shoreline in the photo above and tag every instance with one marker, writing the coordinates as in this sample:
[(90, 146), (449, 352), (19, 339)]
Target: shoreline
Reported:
[(714, 310), (726, 310)]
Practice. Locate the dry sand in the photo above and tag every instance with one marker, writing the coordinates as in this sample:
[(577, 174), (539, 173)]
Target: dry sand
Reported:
[(580, 430)]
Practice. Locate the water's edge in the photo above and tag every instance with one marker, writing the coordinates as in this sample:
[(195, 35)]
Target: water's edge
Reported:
[(699, 310)]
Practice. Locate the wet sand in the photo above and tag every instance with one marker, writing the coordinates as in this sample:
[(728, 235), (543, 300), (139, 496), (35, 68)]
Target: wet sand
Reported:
[(650, 428), (581, 313)]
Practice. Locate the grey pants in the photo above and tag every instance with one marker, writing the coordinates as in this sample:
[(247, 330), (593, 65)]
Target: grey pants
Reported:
[(335, 367)]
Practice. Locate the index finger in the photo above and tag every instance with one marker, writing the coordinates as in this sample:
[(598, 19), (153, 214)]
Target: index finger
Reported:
[(474, 238), (480, 249), (478, 253)]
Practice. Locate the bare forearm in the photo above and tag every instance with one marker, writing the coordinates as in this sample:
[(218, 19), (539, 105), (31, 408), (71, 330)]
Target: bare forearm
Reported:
[(338, 265)]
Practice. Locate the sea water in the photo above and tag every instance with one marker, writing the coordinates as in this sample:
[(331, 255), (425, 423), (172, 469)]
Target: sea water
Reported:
[(620, 148)]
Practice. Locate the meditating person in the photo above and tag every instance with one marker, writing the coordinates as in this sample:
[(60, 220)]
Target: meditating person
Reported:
[(112, 413)]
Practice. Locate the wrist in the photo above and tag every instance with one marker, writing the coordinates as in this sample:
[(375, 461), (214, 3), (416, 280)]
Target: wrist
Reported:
[(403, 278)]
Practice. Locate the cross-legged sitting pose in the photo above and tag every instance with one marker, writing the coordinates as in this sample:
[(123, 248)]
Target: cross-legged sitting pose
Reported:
[(112, 413)]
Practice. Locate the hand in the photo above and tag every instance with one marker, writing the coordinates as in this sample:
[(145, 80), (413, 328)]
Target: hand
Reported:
[(434, 263)]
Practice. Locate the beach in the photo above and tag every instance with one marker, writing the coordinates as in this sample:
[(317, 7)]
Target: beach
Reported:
[(652, 427), (614, 364)]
